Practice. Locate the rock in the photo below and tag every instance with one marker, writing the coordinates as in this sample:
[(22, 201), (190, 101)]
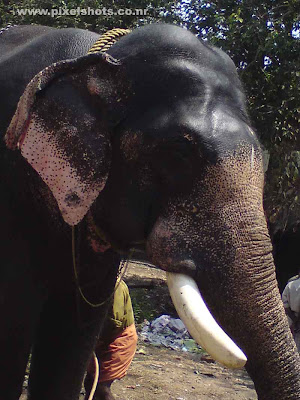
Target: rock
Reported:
[(168, 332)]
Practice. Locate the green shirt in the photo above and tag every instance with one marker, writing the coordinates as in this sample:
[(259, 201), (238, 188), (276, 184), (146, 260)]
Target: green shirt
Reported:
[(120, 315)]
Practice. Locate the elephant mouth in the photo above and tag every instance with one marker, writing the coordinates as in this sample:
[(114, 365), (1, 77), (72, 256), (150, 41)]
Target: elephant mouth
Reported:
[(198, 320), (131, 249), (194, 313)]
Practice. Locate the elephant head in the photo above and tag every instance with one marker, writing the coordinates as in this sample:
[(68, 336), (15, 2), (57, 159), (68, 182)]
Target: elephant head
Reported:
[(154, 139)]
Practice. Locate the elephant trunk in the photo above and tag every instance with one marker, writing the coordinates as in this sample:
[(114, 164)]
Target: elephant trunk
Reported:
[(273, 360), (225, 237), (248, 306), (246, 302)]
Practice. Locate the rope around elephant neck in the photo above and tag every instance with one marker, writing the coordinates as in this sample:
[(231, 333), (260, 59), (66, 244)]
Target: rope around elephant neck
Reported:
[(96, 377), (123, 269), (106, 40), (122, 272), (104, 43)]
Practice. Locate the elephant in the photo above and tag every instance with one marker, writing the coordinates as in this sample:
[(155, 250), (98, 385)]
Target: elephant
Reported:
[(145, 145)]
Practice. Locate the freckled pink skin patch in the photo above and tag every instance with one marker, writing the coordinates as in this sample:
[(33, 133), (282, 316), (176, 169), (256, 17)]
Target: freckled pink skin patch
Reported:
[(74, 196)]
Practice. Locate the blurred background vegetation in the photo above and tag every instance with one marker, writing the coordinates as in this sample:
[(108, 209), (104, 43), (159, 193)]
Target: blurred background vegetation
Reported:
[(262, 37)]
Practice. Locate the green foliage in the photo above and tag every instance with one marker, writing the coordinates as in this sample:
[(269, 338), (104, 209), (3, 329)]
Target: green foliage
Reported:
[(149, 304), (282, 193), (108, 19)]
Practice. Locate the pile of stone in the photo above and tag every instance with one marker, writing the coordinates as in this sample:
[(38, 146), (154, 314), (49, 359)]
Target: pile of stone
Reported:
[(168, 332)]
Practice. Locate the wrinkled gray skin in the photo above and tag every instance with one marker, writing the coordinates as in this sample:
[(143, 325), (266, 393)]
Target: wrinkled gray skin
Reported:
[(155, 146)]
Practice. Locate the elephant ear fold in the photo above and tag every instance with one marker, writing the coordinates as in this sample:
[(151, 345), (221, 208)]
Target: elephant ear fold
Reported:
[(61, 129)]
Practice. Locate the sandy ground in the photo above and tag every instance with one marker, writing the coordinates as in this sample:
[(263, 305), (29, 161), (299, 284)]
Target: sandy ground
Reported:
[(165, 374)]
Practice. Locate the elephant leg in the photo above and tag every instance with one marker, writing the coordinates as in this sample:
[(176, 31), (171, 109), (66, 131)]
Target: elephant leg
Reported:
[(62, 349), (21, 297), (67, 333), (20, 304)]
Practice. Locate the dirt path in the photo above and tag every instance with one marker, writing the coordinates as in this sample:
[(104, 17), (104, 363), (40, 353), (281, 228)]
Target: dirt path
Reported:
[(163, 374), (170, 375)]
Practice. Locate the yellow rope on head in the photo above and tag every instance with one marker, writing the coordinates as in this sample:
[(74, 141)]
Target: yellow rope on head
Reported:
[(108, 39)]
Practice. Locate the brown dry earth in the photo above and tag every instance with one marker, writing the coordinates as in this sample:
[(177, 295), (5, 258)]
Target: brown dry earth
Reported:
[(164, 374)]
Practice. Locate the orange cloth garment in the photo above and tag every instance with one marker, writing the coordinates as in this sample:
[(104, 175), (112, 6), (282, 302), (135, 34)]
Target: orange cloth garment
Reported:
[(115, 359)]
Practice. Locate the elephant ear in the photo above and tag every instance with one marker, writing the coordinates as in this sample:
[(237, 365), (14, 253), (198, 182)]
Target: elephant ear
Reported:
[(62, 126)]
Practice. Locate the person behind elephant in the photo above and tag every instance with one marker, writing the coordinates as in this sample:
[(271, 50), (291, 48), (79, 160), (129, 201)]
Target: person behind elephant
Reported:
[(291, 302), (116, 347)]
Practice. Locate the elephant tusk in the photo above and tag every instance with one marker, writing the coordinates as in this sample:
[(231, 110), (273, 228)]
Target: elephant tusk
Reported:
[(200, 323)]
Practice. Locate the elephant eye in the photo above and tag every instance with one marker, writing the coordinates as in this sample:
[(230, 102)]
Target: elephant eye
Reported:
[(174, 165)]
